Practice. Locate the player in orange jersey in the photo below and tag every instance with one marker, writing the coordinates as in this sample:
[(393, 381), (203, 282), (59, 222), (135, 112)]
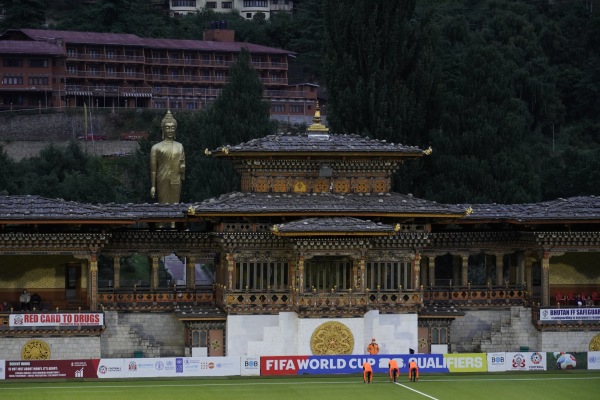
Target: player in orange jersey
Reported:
[(413, 371), (367, 372), (394, 370)]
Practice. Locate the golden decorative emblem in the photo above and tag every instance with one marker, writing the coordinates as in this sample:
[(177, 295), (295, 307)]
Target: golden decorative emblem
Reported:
[(300, 187), (595, 343), (422, 343), (215, 344), (332, 338), (35, 350)]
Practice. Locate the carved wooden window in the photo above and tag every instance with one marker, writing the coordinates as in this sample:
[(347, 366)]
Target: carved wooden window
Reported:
[(439, 335), (388, 275), (321, 185), (380, 186), (280, 185), (261, 275), (261, 185), (342, 186), (325, 273)]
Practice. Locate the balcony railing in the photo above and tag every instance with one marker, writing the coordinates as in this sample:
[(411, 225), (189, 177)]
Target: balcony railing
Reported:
[(162, 299)]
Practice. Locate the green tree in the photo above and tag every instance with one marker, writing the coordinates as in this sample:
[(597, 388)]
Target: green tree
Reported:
[(23, 14), (239, 114), (379, 69), (7, 174)]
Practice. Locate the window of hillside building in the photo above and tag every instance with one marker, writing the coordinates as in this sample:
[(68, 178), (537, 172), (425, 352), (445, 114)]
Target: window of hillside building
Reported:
[(278, 108), (129, 71), (326, 273), (130, 54), (173, 73), (439, 335), (276, 61), (388, 275), (38, 63), (94, 69), (219, 76), (110, 71), (220, 60), (160, 105), (12, 80), (261, 275), (248, 15), (38, 80), (71, 53), (71, 69), (189, 105), (256, 60), (187, 58), (174, 57), (227, 4), (297, 109), (110, 54), (211, 4), (184, 3), (93, 53), (12, 63), (256, 3)]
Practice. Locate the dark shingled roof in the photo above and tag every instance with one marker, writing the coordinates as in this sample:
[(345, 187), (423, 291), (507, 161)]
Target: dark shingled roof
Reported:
[(338, 225), (319, 143), (23, 47), (583, 208), (392, 204), (41, 209)]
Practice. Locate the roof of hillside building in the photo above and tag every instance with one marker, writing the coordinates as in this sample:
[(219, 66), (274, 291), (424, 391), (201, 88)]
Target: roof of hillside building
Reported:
[(323, 204), (23, 47), (347, 226), (126, 39)]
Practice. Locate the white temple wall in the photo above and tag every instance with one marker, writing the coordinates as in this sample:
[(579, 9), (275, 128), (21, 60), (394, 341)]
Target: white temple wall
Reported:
[(286, 334)]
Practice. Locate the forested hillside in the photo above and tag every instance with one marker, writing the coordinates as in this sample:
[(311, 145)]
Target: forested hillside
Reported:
[(506, 92)]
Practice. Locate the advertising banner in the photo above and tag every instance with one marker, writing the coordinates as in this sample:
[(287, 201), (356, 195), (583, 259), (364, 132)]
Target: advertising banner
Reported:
[(250, 366), (526, 361), (561, 360), (496, 362), (36, 369), (570, 314), (56, 319), (168, 367), (298, 365), (2, 369), (593, 360)]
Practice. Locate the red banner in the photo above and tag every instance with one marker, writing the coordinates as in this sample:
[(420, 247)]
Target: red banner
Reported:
[(56, 319), (36, 369)]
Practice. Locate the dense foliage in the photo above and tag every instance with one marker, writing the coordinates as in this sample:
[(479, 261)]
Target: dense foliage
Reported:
[(506, 92)]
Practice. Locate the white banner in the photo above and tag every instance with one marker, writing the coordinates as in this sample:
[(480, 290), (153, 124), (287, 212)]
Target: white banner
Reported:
[(168, 367), (531, 361), (2, 369), (570, 314), (56, 319), (594, 360), (496, 362), (250, 366)]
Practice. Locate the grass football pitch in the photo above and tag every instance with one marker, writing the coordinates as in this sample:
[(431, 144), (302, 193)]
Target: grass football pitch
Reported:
[(580, 385)]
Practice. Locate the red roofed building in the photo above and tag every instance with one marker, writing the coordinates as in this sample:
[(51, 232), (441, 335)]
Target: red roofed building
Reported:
[(56, 69)]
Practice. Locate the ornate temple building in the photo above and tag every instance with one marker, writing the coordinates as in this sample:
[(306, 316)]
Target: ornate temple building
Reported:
[(314, 235)]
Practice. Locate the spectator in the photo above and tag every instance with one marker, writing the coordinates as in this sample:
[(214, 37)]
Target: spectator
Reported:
[(589, 302), (25, 300), (373, 348), (36, 301)]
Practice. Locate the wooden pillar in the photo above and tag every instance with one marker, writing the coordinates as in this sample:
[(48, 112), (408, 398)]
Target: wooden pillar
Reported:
[(528, 273), (361, 274), (431, 264), (190, 272), (464, 272), (499, 268), (546, 279), (230, 269), (416, 271), (93, 282), (300, 275), (154, 276), (116, 271), (424, 270)]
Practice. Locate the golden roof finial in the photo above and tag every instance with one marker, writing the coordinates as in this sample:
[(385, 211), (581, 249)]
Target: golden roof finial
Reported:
[(469, 211), (317, 126)]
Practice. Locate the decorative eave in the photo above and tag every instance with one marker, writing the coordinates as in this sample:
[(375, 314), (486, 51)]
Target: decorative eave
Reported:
[(568, 240), (52, 243), (157, 240)]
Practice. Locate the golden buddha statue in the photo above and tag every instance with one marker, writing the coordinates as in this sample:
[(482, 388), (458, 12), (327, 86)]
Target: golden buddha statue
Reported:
[(167, 164)]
